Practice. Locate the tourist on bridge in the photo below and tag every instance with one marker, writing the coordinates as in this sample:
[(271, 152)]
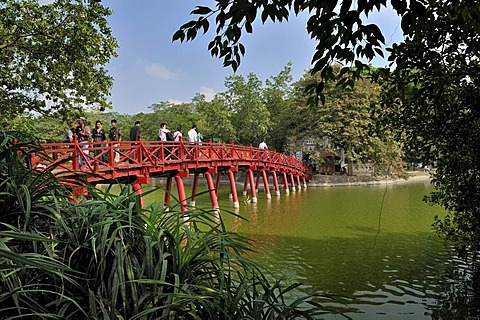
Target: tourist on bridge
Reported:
[(99, 135), (83, 133), (192, 135), (70, 134), (263, 145), (135, 132), (263, 149), (135, 135), (199, 138), (164, 133), (115, 136), (177, 136)]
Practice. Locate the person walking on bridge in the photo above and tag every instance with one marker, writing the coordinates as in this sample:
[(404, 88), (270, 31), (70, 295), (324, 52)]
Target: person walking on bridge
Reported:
[(192, 134), (163, 133), (135, 136), (177, 136), (263, 145), (135, 132), (263, 149), (83, 133), (115, 136), (99, 135)]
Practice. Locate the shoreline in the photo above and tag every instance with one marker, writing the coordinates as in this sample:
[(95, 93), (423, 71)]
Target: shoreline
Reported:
[(365, 180)]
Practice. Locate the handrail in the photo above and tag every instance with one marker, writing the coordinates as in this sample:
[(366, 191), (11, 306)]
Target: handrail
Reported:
[(100, 156)]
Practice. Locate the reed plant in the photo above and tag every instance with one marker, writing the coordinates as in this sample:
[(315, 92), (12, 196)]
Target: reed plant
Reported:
[(106, 257)]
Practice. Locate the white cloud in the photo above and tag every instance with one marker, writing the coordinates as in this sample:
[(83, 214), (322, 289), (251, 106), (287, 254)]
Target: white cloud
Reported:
[(157, 70), (209, 93)]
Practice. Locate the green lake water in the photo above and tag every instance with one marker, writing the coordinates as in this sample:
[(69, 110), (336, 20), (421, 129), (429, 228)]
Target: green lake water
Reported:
[(372, 247)]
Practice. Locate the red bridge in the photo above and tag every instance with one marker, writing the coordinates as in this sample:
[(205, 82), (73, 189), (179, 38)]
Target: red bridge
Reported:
[(136, 162)]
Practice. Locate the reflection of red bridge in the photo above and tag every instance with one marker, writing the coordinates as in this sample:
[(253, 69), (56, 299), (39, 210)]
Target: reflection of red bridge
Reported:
[(138, 161)]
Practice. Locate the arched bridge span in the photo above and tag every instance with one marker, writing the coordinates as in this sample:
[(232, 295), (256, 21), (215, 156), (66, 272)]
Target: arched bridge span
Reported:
[(136, 162)]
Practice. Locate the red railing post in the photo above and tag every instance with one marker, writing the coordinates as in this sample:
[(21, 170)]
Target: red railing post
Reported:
[(75, 153), (140, 150), (232, 151), (111, 154)]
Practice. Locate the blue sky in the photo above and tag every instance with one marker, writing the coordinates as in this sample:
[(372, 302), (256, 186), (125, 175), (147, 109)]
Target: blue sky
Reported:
[(150, 68)]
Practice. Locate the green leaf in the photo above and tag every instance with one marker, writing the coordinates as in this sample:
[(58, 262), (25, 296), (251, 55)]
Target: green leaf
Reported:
[(201, 10)]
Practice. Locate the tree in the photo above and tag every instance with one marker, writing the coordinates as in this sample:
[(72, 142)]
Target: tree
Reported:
[(432, 88), (435, 99), (216, 119), (52, 56), (251, 117), (277, 95), (349, 118)]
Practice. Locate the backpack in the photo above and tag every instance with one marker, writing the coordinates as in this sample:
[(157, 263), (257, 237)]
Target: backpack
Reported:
[(169, 136)]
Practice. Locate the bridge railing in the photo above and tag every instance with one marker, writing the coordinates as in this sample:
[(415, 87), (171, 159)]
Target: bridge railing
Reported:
[(98, 156)]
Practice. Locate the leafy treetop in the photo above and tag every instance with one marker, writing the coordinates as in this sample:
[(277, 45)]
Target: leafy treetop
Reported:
[(52, 56)]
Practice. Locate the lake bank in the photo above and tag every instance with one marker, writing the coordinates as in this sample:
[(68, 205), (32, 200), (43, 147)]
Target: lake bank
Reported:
[(320, 180)]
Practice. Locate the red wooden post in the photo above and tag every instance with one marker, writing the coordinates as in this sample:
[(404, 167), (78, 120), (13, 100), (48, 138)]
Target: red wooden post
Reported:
[(257, 181), (211, 190), (217, 183), (252, 186), (181, 193), (265, 183), (292, 182), (275, 183), (285, 181), (299, 184), (194, 189), (168, 190), (233, 189), (245, 184), (304, 183), (137, 187)]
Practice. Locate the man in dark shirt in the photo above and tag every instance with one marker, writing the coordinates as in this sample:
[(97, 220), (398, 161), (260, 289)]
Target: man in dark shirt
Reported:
[(135, 132), (135, 135)]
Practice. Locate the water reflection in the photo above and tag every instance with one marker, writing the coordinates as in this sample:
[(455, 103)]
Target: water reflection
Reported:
[(372, 247)]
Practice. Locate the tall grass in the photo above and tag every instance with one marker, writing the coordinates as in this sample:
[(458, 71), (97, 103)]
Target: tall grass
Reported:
[(107, 258)]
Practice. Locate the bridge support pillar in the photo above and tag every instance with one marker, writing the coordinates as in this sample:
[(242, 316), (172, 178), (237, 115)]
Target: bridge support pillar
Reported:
[(292, 182), (168, 191), (181, 194), (137, 187), (233, 189), (285, 181), (265, 183), (194, 189), (257, 182), (245, 184), (299, 184), (252, 185), (211, 191), (275, 183), (304, 183), (217, 183)]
